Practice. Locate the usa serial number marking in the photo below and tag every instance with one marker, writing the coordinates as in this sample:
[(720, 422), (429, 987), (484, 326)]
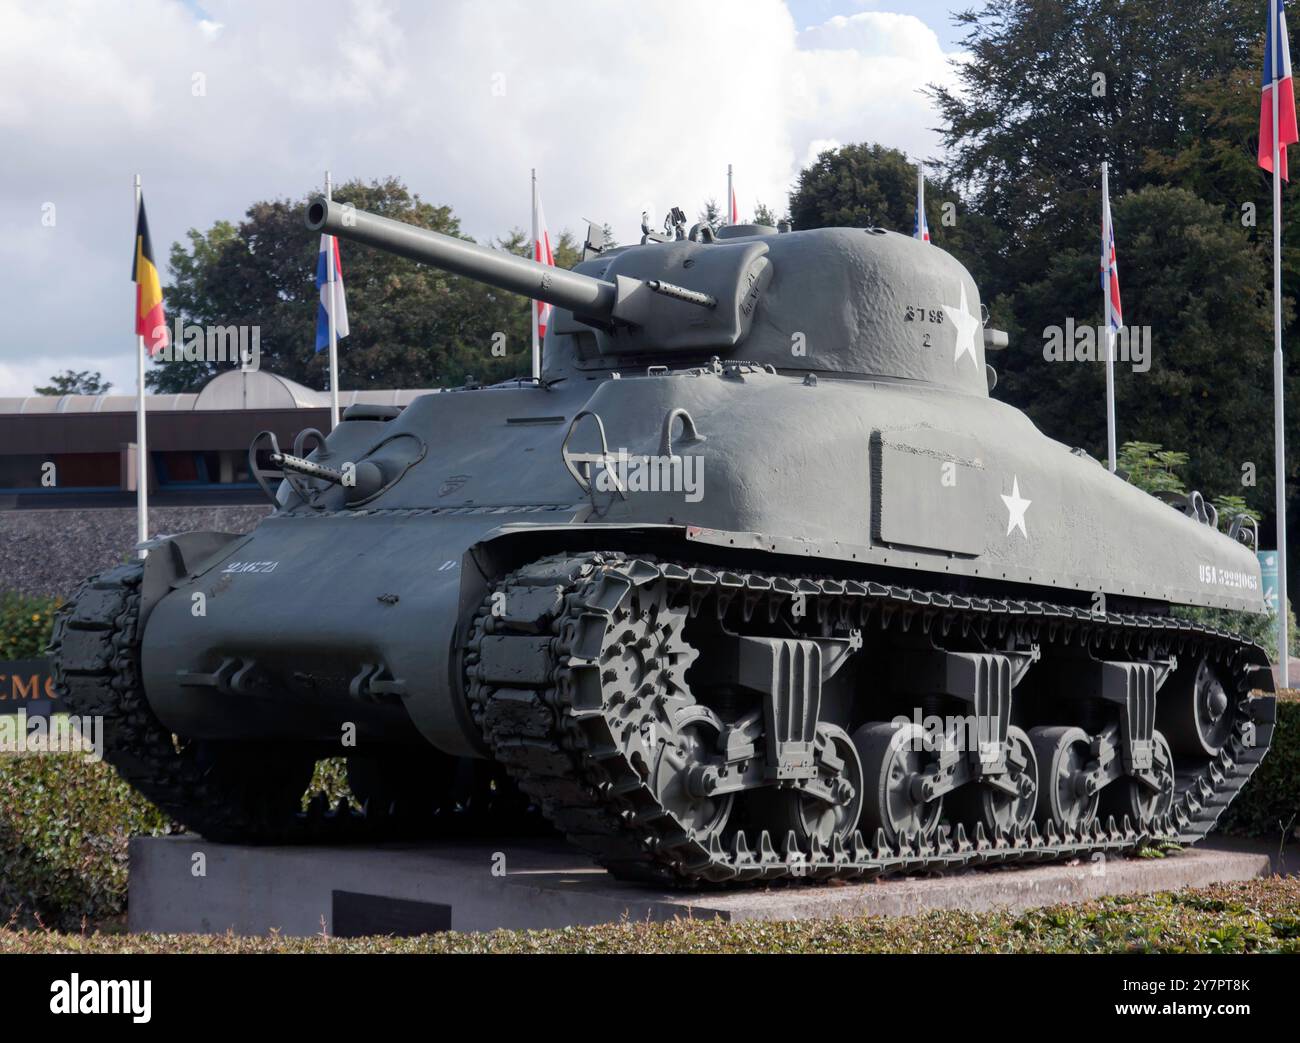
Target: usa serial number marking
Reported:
[(1213, 576)]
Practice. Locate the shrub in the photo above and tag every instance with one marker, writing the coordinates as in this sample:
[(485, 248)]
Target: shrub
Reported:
[(64, 826), (1261, 629), (1270, 802), (25, 624), (1252, 916)]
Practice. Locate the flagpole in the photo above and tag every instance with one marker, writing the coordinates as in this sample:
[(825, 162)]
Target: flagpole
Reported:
[(333, 309), (920, 201), (141, 447), (1106, 236), (1279, 433), (731, 194), (532, 304)]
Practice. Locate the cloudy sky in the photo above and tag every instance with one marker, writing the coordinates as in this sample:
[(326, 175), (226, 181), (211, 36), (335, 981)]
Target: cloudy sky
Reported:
[(621, 105)]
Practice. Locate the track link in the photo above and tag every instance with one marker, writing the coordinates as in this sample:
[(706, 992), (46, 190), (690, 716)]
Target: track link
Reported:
[(537, 690)]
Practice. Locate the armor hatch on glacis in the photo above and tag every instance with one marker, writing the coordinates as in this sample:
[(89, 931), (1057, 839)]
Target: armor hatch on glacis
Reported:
[(756, 581)]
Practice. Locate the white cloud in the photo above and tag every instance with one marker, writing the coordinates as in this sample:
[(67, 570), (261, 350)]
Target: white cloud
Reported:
[(620, 106)]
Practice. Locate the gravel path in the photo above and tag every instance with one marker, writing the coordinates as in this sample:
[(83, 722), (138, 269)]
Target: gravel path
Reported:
[(50, 552)]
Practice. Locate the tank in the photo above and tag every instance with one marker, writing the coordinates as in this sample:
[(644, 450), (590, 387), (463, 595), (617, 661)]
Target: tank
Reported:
[(756, 581)]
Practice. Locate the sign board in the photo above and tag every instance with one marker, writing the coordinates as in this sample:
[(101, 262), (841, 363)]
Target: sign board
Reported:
[(27, 684), (1268, 577)]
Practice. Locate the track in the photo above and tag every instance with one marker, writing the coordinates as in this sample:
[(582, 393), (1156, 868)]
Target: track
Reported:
[(548, 684), (561, 713)]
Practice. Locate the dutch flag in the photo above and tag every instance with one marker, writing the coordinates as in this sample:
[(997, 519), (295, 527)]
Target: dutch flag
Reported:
[(1277, 69), (327, 243)]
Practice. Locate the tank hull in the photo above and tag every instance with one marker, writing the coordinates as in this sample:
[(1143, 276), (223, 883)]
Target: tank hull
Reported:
[(355, 616)]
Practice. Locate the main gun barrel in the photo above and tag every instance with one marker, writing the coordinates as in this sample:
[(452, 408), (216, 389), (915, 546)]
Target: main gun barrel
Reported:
[(581, 294)]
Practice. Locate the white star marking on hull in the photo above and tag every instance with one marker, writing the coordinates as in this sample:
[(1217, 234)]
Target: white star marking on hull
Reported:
[(1016, 507)]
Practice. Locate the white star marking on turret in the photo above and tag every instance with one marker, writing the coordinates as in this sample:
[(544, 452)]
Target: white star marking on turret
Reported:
[(1016, 507), (967, 326)]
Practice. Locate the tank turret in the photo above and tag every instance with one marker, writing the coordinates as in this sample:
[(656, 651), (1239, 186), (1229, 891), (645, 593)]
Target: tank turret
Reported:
[(860, 301), (636, 313)]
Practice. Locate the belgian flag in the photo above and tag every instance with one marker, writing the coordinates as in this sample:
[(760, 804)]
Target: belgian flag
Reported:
[(150, 322)]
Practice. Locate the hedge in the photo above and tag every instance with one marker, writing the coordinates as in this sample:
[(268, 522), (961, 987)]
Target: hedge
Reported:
[(1269, 805), (64, 826), (1256, 916), (25, 624)]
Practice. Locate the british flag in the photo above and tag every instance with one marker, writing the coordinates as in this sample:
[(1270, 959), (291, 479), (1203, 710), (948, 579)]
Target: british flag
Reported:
[(1110, 266)]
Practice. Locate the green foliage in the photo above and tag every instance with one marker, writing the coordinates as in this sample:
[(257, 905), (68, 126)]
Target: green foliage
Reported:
[(1150, 467), (25, 624), (1260, 628), (1029, 121), (856, 186), (711, 215), (1154, 469), (331, 779), (1269, 806), (1230, 506), (80, 382), (410, 325), (1175, 111), (1200, 284), (64, 827)]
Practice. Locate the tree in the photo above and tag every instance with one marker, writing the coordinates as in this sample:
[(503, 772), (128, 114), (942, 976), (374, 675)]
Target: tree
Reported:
[(83, 382), (865, 185), (411, 325), (1200, 285), (711, 215), (857, 186), (765, 215), (1151, 467), (1052, 87), (1169, 95)]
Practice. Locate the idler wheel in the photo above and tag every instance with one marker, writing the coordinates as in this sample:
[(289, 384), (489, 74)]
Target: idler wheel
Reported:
[(678, 753), (893, 757), (1195, 711), (995, 807), (782, 810), (1134, 798), (1064, 757)]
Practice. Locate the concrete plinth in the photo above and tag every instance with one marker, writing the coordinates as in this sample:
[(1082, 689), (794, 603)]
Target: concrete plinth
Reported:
[(479, 886)]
